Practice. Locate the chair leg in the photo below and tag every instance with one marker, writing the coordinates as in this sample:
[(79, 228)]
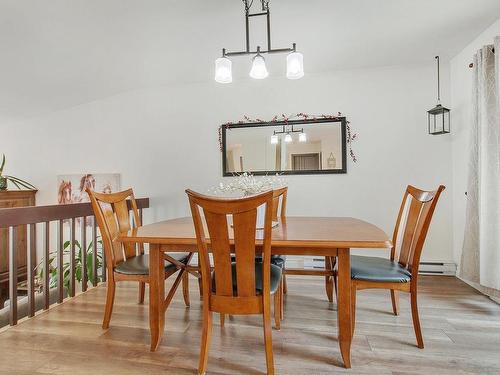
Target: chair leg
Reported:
[(142, 289), (200, 286), (277, 310), (185, 288), (335, 286), (353, 307), (268, 341), (285, 286), (206, 335), (416, 320), (328, 279), (110, 299), (395, 301), (282, 299), (222, 319)]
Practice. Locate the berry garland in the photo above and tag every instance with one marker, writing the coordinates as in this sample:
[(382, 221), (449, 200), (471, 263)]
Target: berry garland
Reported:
[(350, 137)]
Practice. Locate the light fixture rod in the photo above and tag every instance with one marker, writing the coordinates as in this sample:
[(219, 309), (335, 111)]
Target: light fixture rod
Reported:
[(265, 12), (243, 53), (438, 85)]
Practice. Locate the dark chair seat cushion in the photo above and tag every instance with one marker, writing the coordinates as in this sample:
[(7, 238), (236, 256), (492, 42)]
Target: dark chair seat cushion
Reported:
[(275, 278), (378, 269), (139, 265)]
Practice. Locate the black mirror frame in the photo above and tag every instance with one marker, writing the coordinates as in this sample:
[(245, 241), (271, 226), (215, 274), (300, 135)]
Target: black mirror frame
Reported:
[(343, 126)]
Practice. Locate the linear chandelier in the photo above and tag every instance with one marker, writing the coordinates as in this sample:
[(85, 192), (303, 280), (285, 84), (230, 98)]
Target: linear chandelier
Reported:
[(294, 60)]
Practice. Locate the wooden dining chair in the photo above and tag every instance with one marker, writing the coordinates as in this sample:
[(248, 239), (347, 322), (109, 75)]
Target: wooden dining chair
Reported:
[(400, 272), (242, 287), (123, 261)]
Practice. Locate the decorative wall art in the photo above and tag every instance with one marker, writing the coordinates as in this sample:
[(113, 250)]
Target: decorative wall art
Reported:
[(71, 187)]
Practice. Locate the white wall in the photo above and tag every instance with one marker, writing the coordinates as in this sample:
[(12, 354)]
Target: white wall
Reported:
[(461, 106), (164, 139)]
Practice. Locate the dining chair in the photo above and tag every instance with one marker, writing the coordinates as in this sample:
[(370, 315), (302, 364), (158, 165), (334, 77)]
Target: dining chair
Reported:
[(242, 287), (123, 261), (400, 272)]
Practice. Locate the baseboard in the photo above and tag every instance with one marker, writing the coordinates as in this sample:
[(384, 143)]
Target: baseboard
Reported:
[(446, 268)]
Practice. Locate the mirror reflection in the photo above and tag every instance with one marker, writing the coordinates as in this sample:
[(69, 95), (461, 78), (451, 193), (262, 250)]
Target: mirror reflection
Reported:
[(299, 148)]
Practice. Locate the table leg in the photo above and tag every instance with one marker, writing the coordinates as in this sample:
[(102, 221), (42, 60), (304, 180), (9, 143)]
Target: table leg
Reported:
[(344, 305), (156, 295)]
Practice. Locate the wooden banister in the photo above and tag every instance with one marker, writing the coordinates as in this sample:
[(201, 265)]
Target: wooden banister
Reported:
[(76, 216), (11, 217)]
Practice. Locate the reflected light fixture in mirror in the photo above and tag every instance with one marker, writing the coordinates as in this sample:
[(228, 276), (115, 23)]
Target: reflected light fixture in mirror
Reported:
[(288, 138), (294, 65), (223, 70), (302, 137), (274, 139)]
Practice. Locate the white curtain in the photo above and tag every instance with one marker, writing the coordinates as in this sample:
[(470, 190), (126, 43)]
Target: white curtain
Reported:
[(480, 262)]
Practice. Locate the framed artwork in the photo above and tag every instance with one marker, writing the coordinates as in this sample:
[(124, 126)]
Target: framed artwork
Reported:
[(71, 187)]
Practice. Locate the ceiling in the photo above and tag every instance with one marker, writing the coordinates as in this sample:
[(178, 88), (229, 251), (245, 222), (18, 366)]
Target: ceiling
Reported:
[(59, 53)]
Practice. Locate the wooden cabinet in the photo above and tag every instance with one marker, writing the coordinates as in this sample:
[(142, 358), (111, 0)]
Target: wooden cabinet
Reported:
[(12, 199)]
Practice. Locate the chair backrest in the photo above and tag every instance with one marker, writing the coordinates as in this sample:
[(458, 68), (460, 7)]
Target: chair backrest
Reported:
[(279, 210), (244, 298), (411, 228), (113, 217)]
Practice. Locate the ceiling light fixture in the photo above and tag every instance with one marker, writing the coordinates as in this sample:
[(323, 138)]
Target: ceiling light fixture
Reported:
[(259, 69), (439, 116), (294, 61)]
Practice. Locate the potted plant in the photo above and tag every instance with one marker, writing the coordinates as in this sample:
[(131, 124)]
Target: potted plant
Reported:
[(4, 179), (78, 264)]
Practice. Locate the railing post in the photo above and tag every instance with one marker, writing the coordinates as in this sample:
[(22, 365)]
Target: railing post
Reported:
[(94, 252), (72, 276), (13, 275), (31, 264), (60, 261), (83, 255), (46, 271)]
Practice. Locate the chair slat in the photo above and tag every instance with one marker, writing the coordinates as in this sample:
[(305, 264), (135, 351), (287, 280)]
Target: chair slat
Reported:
[(218, 229), (244, 245), (46, 266), (60, 261), (13, 276), (31, 263), (123, 219), (409, 231), (418, 231)]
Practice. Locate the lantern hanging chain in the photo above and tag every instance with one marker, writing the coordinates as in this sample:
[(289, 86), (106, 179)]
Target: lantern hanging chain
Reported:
[(438, 86)]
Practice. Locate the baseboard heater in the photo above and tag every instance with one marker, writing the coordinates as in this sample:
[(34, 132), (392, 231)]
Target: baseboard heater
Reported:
[(426, 268)]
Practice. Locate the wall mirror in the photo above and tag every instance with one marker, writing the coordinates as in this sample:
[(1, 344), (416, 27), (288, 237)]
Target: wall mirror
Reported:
[(312, 146)]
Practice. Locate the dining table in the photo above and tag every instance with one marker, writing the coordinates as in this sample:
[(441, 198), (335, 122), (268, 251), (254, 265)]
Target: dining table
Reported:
[(294, 235)]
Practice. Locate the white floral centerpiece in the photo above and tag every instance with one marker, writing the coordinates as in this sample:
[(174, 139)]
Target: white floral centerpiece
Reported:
[(247, 184)]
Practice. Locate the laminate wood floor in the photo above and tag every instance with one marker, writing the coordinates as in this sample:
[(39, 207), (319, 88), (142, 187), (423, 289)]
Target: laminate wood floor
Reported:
[(461, 330)]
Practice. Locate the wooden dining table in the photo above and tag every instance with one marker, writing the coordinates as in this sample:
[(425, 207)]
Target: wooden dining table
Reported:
[(316, 236)]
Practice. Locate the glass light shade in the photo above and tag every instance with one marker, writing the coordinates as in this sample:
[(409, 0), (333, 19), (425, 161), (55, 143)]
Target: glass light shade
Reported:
[(288, 138), (302, 137), (274, 139), (259, 70), (294, 65), (223, 70)]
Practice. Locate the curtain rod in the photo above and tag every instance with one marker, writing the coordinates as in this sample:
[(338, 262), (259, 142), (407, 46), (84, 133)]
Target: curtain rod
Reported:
[(471, 65)]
